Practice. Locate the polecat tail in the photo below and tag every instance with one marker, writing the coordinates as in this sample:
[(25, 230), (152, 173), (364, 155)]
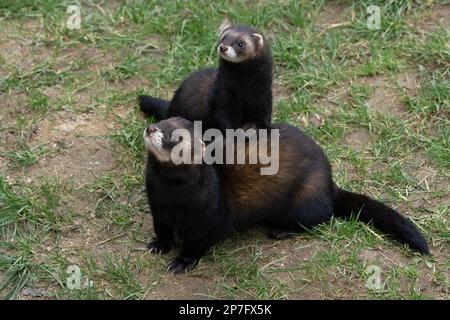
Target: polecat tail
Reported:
[(154, 107), (381, 216)]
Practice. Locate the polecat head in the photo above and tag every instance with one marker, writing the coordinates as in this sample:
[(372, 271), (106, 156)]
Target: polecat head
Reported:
[(239, 43), (162, 138)]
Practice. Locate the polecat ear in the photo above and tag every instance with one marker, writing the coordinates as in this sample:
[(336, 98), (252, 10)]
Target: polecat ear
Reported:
[(259, 39), (226, 24)]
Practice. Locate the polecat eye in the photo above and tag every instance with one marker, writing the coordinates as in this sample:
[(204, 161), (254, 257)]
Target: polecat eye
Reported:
[(241, 44)]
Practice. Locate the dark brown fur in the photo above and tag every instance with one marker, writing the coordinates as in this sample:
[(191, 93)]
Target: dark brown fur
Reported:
[(234, 197)]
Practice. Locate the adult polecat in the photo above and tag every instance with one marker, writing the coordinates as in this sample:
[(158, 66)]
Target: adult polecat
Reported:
[(204, 203), (238, 92), (185, 199)]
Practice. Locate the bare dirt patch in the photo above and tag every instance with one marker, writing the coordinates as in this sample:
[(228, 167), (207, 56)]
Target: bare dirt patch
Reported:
[(24, 53), (438, 16), (132, 84), (384, 99), (3, 166), (334, 98), (81, 163), (11, 103), (92, 60), (85, 154), (280, 92), (383, 257), (358, 139), (332, 14), (183, 287), (409, 81), (426, 175)]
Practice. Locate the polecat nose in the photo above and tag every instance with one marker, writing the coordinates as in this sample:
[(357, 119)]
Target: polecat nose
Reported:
[(151, 129), (223, 48)]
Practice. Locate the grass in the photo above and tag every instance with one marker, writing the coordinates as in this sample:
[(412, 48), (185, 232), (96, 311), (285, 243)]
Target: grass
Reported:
[(25, 155), (329, 68)]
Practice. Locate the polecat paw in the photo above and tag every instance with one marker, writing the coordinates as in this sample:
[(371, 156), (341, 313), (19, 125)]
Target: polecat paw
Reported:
[(181, 264), (280, 234), (159, 247)]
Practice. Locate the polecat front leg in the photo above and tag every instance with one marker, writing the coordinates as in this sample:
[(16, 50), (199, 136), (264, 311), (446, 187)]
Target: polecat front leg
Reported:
[(197, 238), (189, 257), (164, 239)]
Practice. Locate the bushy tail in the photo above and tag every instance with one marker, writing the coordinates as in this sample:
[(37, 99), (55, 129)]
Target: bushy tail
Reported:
[(154, 107), (381, 216)]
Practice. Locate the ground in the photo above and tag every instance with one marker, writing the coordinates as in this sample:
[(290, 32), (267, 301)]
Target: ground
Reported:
[(72, 158)]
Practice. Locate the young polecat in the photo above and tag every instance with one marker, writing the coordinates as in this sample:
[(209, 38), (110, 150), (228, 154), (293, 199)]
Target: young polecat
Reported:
[(238, 92), (242, 91), (204, 203)]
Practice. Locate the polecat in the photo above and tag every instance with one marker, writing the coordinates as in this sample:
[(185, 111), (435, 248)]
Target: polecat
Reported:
[(238, 92), (185, 199), (242, 90), (204, 203)]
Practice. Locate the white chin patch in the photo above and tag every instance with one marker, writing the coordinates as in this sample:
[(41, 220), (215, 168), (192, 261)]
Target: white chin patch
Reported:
[(153, 143), (230, 55)]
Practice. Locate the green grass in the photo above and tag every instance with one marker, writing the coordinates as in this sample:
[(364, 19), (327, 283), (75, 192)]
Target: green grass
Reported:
[(120, 273), (244, 278), (434, 98), (326, 75), (25, 155), (28, 218)]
